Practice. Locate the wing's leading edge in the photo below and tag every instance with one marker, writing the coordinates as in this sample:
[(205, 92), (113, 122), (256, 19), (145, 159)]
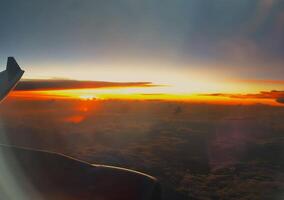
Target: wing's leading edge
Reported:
[(52, 176), (9, 77)]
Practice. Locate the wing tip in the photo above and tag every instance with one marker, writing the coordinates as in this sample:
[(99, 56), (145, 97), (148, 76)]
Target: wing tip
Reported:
[(12, 65)]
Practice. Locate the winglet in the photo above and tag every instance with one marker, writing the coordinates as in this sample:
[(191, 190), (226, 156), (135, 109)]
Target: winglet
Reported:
[(10, 77), (12, 65)]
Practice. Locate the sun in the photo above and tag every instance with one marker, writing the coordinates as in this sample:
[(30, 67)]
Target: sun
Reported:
[(88, 97)]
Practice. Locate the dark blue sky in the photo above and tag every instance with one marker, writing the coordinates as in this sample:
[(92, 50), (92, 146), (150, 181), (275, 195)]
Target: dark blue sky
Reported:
[(240, 37)]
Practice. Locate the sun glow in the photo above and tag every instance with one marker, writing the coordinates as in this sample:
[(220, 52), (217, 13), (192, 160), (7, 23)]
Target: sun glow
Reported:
[(182, 92), (88, 97)]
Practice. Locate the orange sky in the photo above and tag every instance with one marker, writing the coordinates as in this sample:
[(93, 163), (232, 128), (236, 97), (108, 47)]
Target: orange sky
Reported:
[(190, 48), (212, 91), (140, 93)]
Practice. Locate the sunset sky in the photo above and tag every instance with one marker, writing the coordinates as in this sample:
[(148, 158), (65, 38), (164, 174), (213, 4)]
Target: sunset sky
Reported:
[(214, 51), (190, 92)]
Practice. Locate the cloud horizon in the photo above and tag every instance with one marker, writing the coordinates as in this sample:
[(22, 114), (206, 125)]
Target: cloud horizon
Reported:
[(278, 96), (62, 84)]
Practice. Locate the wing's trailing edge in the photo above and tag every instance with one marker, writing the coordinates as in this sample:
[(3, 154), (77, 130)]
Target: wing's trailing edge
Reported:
[(10, 77)]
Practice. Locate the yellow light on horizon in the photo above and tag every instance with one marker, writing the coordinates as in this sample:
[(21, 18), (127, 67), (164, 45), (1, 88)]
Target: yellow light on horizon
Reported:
[(87, 97), (110, 94)]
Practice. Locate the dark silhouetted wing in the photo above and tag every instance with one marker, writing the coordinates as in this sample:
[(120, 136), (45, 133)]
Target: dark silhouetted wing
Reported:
[(10, 77)]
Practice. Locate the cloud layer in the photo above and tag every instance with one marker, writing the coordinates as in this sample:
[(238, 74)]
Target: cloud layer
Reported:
[(57, 84), (273, 94), (280, 100)]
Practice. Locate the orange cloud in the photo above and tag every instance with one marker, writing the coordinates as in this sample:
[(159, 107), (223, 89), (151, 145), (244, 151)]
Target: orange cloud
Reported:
[(74, 119)]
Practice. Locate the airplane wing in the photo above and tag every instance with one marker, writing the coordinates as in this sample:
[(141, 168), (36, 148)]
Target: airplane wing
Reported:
[(47, 175), (9, 77), (34, 173)]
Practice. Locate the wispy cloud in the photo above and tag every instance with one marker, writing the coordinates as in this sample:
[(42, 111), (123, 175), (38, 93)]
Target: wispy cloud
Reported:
[(278, 96), (57, 84), (274, 94)]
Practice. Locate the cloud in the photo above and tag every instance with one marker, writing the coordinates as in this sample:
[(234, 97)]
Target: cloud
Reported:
[(273, 94), (57, 84), (280, 100)]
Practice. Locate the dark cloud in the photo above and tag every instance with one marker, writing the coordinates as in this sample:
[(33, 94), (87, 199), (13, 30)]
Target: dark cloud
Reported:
[(205, 151), (273, 94), (56, 84), (280, 100)]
